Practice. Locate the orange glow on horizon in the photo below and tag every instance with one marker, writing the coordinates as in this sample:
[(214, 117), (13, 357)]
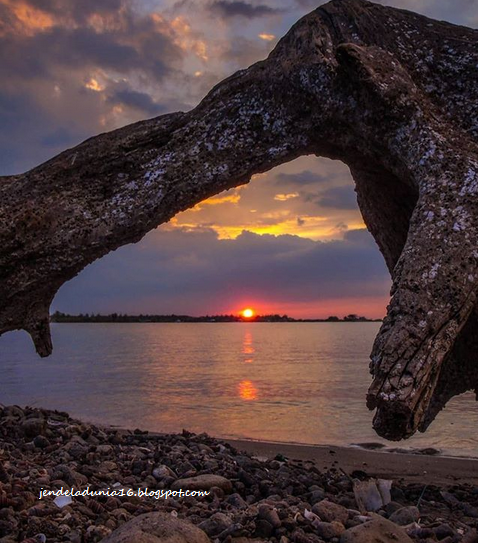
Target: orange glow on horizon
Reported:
[(248, 313)]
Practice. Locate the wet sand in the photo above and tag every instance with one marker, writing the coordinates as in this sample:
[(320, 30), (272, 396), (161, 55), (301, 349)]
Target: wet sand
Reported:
[(409, 468)]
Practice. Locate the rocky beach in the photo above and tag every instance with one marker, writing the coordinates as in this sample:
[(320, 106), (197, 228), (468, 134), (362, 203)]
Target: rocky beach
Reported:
[(279, 498)]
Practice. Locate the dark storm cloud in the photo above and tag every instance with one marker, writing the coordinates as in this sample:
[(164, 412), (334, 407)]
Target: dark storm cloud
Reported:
[(79, 10), (59, 137), (47, 58), (135, 47), (179, 271), (139, 100), (302, 178), (342, 197), (242, 9), (29, 135), (242, 52)]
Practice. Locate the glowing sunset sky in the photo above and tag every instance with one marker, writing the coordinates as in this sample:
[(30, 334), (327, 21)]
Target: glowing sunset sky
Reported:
[(292, 241)]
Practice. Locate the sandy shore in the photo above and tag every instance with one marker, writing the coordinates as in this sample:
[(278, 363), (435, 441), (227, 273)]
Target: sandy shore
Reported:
[(439, 470), (406, 467)]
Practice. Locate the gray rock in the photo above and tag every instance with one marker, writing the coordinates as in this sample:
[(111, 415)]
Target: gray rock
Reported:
[(41, 442), (216, 524), (268, 513), (443, 530), (316, 495), (377, 530), (203, 482), (157, 528), (162, 471), (236, 501), (33, 427), (329, 511), (405, 516), (264, 528), (329, 530)]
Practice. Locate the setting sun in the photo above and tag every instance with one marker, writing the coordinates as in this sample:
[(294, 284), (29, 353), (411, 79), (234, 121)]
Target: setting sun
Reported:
[(248, 313)]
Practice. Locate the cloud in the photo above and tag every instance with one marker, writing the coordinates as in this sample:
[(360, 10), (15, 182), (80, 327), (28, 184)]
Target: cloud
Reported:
[(305, 177), (135, 99), (342, 197), (136, 44), (238, 8), (267, 37), (69, 70), (195, 272), (285, 197)]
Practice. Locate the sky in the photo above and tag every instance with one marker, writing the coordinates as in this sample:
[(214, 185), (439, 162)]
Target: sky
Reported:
[(291, 242)]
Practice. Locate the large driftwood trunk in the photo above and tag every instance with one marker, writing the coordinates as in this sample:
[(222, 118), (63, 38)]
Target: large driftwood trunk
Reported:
[(390, 93)]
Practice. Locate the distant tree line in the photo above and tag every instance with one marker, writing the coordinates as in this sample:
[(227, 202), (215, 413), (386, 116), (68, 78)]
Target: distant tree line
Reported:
[(58, 316)]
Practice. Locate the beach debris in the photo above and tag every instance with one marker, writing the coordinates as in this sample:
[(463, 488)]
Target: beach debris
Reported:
[(372, 495), (314, 519), (62, 501)]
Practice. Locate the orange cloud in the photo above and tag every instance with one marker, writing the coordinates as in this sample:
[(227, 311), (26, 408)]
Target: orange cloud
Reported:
[(218, 200), (31, 19), (285, 197), (185, 38), (93, 85), (267, 37)]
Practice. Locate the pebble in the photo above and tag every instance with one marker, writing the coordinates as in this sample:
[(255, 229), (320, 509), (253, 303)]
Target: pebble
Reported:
[(203, 482), (405, 516), (329, 511), (329, 530)]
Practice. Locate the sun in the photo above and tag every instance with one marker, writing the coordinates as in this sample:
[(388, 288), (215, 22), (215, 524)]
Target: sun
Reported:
[(247, 313)]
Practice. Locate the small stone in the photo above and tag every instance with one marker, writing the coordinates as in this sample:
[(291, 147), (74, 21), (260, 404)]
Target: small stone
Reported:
[(328, 530), (236, 501), (216, 524), (405, 516), (470, 537), (33, 427), (162, 471), (157, 528), (329, 511), (443, 530), (268, 513), (316, 495), (469, 510), (41, 442), (264, 528), (378, 530), (203, 482)]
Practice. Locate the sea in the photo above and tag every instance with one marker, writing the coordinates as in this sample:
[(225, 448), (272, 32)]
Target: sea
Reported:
[(283, 382)]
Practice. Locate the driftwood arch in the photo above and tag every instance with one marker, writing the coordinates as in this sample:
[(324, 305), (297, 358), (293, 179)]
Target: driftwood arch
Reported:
[(390, 93)]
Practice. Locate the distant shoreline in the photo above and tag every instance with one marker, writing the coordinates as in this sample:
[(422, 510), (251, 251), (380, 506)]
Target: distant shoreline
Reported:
[(59, 317)]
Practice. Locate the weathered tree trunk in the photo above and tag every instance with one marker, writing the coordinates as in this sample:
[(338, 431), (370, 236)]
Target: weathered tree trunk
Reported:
[(390, 93)]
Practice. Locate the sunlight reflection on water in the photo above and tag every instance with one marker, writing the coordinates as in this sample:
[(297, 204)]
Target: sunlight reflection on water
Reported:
[(291, 382)]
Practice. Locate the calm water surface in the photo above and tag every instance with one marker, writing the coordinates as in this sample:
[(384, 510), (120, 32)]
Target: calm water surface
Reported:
[(291, 382)]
